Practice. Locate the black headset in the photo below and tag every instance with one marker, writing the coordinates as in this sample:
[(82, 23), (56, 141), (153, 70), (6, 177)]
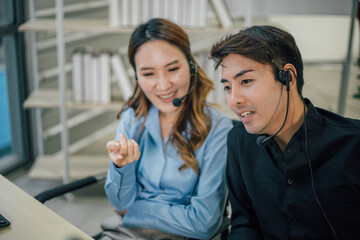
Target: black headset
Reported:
[(285, 78), (193, 67), (193, 70), (282, 76)]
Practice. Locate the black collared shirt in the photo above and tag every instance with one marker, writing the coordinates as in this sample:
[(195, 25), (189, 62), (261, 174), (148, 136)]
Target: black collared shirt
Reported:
[(271, 192)]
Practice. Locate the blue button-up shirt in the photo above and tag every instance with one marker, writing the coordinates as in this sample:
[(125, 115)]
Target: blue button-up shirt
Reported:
[(158, 195)]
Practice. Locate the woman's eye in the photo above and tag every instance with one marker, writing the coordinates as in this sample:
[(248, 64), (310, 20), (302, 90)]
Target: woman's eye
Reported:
[(147, 74), (173, 69)]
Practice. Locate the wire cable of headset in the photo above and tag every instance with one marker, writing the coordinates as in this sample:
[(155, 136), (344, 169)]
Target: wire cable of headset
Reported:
[(312, 179), (311, 172)]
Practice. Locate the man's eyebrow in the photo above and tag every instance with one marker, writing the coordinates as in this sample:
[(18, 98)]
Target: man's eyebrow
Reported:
[(237, 75), (223, 81), (242, 73)]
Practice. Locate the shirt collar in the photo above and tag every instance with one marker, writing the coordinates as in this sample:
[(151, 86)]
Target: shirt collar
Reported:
[(152, 124), (312, 118)]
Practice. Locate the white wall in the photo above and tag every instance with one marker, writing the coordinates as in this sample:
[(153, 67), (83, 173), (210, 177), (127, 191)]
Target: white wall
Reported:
[(320, 37), (266, 7), (320, 27)]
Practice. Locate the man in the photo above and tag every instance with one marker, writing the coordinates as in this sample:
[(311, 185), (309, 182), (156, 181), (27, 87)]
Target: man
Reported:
[(293, 170)]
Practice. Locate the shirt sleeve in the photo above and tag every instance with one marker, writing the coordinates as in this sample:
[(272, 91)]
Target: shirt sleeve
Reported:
[(244, 223), (201, 218), (120, 185)]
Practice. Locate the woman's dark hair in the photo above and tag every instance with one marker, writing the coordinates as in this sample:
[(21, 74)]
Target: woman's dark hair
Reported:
[(193, 105), (262, 43)]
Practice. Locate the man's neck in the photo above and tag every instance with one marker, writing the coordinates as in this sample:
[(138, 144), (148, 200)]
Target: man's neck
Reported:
[(293, 123)]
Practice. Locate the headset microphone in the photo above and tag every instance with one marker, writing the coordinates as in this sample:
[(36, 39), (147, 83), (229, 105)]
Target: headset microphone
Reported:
[(284, 78), (193, 69), (177, 101), (262, 140)]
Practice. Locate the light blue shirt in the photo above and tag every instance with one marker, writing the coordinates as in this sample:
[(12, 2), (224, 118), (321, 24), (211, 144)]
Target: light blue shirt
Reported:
[(160, 197)]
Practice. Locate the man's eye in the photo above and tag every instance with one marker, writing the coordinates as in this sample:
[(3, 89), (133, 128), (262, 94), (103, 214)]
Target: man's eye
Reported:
[(227, 88), (173, 69), (245, 81)]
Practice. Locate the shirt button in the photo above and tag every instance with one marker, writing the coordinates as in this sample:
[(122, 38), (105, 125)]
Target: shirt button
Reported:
[(289, 150), (290, 181)]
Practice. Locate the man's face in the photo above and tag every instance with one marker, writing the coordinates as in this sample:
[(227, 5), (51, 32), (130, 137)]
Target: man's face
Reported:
[(253, 94)]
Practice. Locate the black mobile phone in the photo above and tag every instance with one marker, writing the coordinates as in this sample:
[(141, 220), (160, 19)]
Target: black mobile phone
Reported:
[(3, 222)]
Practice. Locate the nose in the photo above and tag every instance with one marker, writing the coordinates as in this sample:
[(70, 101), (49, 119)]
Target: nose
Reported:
[(164, 82), (236, 98)]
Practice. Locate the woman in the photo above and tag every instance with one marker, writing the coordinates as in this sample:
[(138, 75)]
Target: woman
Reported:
[(167, 164)]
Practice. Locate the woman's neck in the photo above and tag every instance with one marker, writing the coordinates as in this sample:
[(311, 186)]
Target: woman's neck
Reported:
[(167, 123)]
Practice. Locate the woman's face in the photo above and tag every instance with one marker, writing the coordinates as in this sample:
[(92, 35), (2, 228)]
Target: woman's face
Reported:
[(163, 74)]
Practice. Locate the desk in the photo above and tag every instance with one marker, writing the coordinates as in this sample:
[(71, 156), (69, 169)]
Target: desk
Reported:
[(30, 219)]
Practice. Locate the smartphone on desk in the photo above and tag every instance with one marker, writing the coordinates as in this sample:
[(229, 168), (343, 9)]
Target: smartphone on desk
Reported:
[(3, 222)]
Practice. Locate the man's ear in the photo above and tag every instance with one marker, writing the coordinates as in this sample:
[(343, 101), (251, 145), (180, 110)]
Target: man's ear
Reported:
[(293, 75)]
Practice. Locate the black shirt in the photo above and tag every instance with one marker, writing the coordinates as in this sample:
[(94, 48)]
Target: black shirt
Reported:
[(271, 193)]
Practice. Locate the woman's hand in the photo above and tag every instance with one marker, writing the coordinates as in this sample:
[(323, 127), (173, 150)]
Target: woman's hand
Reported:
[(123, 152)]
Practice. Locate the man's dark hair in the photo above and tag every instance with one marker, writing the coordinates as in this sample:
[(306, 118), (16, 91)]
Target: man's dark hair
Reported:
[(263, 44)]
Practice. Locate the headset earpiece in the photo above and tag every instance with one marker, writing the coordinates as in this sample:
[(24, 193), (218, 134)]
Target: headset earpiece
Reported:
[(193, 67), (284, 78), (193, 70)]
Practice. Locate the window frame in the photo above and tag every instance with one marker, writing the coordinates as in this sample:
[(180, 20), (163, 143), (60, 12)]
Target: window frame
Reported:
[(14, 47)]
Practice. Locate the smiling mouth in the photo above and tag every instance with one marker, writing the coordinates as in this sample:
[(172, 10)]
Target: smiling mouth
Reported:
[(167, 96), (246, 114)]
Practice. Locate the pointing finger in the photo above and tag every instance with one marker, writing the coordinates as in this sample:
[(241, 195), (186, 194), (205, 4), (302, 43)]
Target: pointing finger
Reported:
[(124, 145)]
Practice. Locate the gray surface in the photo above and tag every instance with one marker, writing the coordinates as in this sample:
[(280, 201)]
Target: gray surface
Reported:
[(85, 209)]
